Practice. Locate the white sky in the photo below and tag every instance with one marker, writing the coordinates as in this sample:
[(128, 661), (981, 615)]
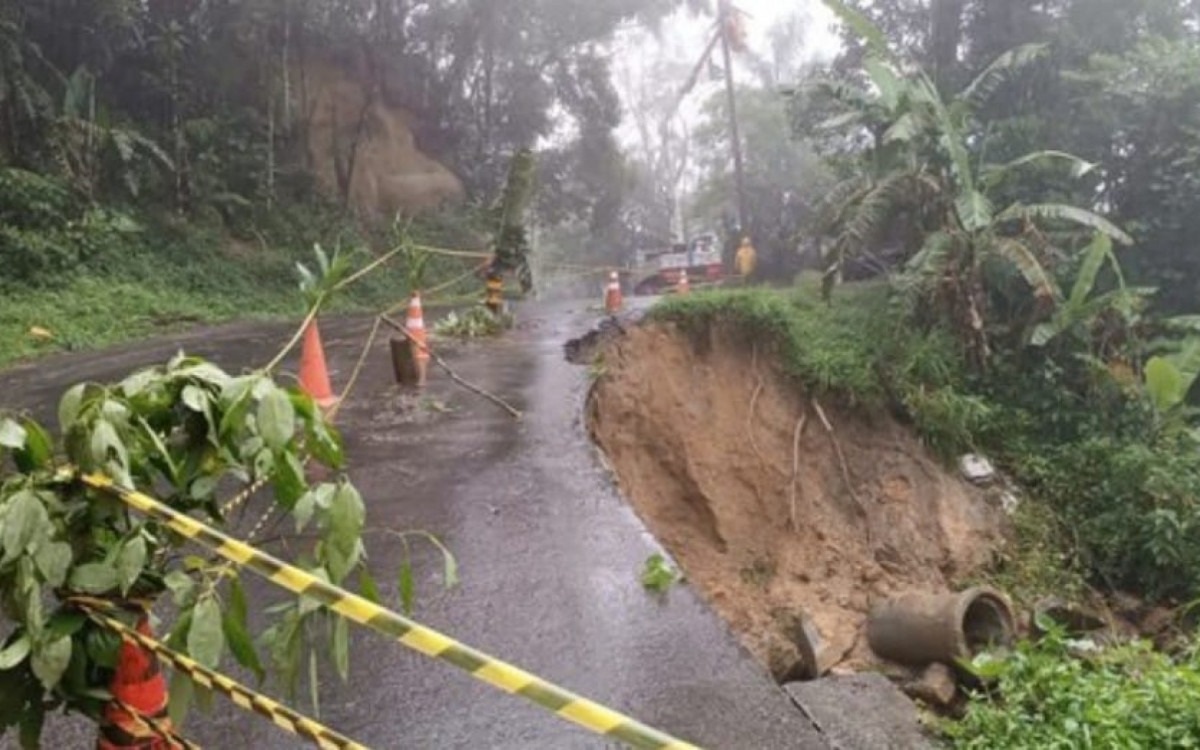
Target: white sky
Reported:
[(683, 38), (821, 41), (681, 41)]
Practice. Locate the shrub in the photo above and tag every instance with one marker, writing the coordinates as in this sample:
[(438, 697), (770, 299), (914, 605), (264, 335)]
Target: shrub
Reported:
[(1133, 507), (1046, 696), (31, 201)]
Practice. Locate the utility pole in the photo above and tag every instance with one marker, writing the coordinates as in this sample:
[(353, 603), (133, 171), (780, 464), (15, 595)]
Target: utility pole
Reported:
[(725, 19)]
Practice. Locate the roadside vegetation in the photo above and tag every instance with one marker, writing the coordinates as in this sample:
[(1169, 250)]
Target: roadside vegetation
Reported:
[(81, 276), (158, 166), (1064, 693), (1012, 315)]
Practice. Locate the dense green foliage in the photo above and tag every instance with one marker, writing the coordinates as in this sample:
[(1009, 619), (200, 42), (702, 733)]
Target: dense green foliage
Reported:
[(200, 102), (1059, 693), (1117, 86), (155, 161), (954, 126), (184, 431), (853, 349), (90, 275), (1081, 395)]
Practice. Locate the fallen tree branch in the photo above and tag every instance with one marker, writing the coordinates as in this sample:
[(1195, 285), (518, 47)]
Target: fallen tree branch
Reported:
[(299, 334), (450, 371)]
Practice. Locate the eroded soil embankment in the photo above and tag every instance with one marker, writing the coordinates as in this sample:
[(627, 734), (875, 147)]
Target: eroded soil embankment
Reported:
[(702, 434)]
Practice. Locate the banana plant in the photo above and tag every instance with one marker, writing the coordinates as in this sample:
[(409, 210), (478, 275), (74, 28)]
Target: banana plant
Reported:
[(1083, 306), (87, 145), (1168, 381), (318, 282), (511, 240), (924, 184)]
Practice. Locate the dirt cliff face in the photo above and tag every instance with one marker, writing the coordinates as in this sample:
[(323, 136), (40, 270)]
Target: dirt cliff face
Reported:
[(359, 144), (771, 515)]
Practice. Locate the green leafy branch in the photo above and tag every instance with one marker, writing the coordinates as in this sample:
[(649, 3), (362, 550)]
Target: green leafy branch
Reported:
[(184, 432), (658, 575), (329, 274)]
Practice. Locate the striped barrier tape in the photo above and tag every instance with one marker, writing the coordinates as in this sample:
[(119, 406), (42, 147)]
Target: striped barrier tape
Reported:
[(497, 673), (279, 714), (157, 728)]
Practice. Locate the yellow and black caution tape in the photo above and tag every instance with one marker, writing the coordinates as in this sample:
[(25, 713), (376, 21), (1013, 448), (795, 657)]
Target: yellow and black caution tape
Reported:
[(427, 641), (158, 728), (429, 296), (279, 714), (240, 498)]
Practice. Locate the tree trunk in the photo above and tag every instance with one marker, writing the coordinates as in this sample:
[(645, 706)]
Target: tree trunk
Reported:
[(180, 143), (285, 65), (270, 148), (945, 38), (735, 137)]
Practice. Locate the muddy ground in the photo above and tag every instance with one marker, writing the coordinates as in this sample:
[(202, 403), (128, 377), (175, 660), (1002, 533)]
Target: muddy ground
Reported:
[(780, 507)]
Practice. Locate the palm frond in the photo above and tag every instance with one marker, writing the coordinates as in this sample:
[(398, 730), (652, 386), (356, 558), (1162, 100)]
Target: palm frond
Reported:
[(868, 216), (960, 159), (151, 147), (1025, 261), (974, 210), (904, 129), (841, 122), (861, 26), (1183, 324), (890, 85), (1096, 253), (993, 174), (952, 140), (930, 260), (1000, 71), (1065, 213), (845, 193)]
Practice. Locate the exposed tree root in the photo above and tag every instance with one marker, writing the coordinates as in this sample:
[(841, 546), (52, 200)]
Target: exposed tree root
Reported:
[(837, 447), (795, 487)]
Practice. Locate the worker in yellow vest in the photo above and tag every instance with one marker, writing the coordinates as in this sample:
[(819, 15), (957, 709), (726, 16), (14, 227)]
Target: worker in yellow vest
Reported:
[(745, 260)]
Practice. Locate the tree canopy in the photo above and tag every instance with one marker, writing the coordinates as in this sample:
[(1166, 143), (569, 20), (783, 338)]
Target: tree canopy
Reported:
[(203, 96)]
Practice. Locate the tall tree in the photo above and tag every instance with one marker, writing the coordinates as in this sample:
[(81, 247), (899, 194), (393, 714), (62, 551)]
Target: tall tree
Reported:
[(784, 178)]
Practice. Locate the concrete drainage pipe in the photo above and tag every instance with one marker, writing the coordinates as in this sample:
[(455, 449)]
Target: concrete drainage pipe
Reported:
[(919, 629)]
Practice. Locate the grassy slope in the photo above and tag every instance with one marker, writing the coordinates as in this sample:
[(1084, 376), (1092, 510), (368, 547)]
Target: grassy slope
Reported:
[(187, 278)]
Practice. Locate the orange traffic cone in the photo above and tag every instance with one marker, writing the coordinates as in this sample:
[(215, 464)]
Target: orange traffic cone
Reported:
[(612, 295), (416, 328), (682, 286), (314, 375), (139, 685)]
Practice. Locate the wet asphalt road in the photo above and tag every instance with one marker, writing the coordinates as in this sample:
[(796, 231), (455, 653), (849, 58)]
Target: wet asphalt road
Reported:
[(549, 556)]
